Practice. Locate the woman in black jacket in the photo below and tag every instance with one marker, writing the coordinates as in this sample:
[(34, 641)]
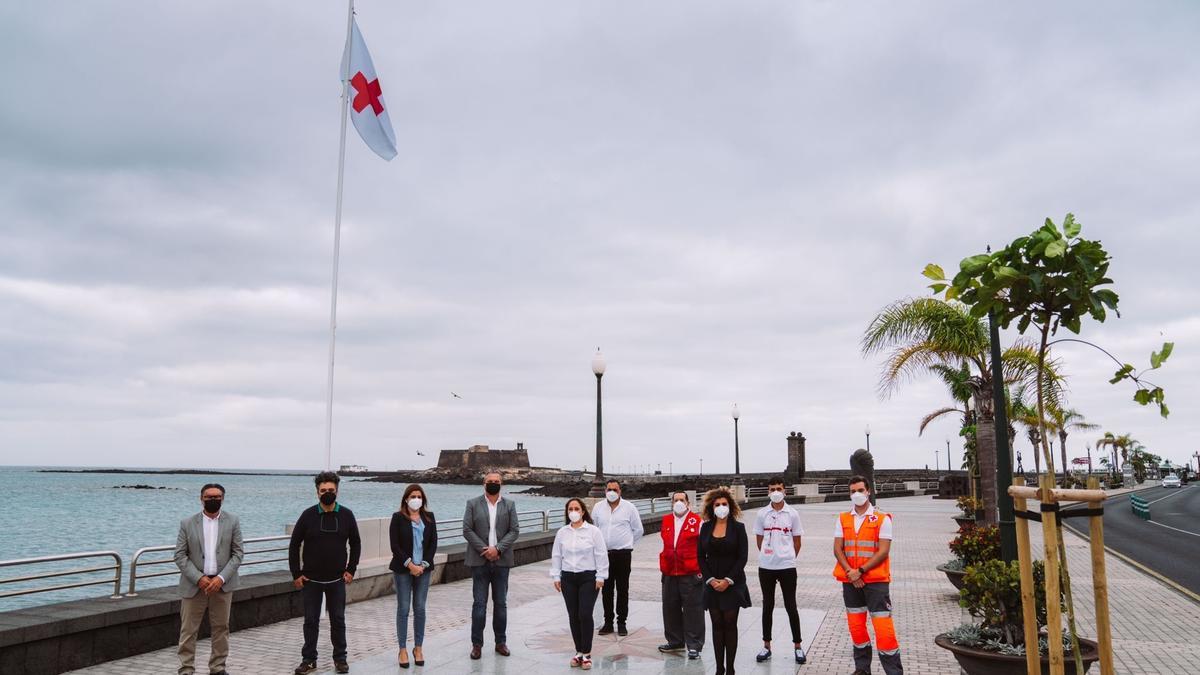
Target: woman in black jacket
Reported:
[(722, 550), (413, 534)]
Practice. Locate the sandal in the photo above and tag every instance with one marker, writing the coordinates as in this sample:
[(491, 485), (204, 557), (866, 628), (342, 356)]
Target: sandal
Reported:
[(576, 661), (585, 663)]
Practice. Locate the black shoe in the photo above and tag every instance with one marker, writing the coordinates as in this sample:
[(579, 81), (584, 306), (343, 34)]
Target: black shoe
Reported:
[(622, 630), (693, 654), (801, 657), (306, 667), (341, 666), (606, 629), (763, 655), (668, 647), (860, 671)]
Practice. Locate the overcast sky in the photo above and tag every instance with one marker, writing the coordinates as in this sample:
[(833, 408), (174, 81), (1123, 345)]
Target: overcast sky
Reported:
[(720, 195)]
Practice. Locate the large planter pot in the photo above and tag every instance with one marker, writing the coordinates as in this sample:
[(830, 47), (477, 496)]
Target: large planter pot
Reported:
[(964, 520), (955, 576), (975, 661)]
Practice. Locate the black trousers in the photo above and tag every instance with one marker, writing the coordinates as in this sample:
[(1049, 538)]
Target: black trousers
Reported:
[(334, 595), (787, 584), (683, 610), (620, 562), (579, 593)]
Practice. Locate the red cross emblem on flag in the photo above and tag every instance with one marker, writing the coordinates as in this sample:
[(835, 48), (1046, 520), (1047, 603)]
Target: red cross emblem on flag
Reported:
[(366, 93)]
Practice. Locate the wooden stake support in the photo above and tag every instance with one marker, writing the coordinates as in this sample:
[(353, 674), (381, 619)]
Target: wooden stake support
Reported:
[(1028, 603), (1049, 497)]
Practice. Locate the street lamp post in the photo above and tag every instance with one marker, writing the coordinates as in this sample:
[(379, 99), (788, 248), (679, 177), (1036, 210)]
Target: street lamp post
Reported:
[(598, 366), (949, 467), (937, 461), (867, 431), (737, 457)]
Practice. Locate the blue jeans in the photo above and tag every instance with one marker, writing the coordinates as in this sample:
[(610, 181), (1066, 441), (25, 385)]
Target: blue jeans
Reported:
[(335, 604), (489, 574), (411, 592)]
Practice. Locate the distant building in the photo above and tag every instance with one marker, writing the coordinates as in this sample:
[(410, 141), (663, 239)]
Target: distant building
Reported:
[(352, 468), (483, 457)]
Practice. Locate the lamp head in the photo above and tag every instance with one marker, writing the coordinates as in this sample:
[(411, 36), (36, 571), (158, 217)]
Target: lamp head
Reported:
[(598, 363), (736, 413)]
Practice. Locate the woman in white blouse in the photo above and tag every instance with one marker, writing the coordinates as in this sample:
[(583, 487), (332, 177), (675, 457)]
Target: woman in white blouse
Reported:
[(579, 566)]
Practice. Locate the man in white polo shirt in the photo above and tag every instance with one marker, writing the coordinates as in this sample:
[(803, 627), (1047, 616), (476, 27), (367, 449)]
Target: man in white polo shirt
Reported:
[(778, 530)]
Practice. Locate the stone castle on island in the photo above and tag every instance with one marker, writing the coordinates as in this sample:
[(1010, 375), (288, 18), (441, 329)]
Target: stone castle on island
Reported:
[(481, 457)]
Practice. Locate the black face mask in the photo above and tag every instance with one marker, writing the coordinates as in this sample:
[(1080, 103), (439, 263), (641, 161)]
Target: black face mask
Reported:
[(492, 488), (328, 498), (212, 505)]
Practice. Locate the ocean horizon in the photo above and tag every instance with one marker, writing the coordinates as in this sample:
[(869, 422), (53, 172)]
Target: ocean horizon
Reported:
[(64, 513)]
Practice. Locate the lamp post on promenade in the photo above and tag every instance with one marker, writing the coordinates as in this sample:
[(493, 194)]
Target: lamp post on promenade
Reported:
[(949, 466), (598, 366), (737, 457), (867, 431), (937, 461)]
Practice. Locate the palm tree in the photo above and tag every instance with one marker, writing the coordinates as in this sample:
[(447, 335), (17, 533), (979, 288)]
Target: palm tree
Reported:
[(1118, 445), (927, 335), (1065, 420)]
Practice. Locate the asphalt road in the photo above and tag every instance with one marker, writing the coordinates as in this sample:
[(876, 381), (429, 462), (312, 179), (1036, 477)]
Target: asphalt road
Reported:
[(1168, 543)]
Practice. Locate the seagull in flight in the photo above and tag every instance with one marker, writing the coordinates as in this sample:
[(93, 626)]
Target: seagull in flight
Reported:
[(420, 453), (455, 395)]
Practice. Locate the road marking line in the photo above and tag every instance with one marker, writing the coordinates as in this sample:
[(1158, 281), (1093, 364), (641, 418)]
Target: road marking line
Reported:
[(1142, 568), (1168, 496), (1194, 534)]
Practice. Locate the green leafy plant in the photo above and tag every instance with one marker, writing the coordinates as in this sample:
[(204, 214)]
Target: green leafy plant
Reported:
[(1049, 279), (968, 505), (992, 592), (975, 544)]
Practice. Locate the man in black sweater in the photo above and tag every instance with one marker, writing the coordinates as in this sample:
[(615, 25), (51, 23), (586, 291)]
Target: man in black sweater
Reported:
[(324, 570)]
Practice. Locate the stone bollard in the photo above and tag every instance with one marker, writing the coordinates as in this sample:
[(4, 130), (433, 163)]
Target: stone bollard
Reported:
[(738, 491), (806, 489)]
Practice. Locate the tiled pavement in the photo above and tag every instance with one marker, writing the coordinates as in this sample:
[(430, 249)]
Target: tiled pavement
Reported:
[(1152, 625)]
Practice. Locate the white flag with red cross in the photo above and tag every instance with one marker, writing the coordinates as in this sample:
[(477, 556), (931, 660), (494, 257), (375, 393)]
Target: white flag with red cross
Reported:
[(366, 97)]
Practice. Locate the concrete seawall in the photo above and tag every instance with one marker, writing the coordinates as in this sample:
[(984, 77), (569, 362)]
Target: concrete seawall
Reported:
[(52, 639)]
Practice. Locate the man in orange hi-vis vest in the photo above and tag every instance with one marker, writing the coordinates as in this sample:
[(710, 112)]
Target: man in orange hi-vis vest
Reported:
[(862, 541)]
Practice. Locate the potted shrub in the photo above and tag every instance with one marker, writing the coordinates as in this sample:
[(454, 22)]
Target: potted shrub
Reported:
[(992, 592), (973, 545), (968, 505)]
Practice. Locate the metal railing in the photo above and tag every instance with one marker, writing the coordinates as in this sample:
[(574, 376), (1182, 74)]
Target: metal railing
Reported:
[(137, 561), (116, 568), (450, 530)]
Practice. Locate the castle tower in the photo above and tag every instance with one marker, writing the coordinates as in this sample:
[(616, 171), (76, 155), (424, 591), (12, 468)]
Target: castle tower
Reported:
[(795, 454)]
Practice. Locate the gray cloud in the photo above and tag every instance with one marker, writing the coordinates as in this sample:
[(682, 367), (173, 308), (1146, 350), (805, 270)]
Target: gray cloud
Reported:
[(719, 195)]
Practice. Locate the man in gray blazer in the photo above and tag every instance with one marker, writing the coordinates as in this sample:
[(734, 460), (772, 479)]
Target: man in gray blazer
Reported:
[(490, 527), (208, 552)]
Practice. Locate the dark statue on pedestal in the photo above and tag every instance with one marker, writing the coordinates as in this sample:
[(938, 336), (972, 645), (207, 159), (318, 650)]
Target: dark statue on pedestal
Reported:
[(863, 464)]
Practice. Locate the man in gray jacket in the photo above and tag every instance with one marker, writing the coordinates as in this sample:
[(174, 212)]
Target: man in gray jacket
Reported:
[(208, 552), (490, 527)]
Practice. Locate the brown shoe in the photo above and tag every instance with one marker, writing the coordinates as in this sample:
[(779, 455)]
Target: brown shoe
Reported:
[(476, 652), (502, 650)]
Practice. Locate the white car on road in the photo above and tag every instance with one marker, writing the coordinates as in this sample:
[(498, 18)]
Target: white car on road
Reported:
[(1171, 480)]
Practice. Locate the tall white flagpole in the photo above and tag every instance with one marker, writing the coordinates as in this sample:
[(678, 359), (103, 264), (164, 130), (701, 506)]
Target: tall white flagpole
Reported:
[(337, 243)]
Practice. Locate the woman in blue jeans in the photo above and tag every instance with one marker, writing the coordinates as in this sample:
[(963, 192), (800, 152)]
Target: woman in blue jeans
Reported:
[(413, 534)]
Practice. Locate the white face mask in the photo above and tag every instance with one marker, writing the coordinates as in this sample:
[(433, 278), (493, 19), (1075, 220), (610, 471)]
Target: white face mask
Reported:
[(776, 496), (680, 508), (575, 516), (612, 495), (859, 498), (414, 504), (722, 511)]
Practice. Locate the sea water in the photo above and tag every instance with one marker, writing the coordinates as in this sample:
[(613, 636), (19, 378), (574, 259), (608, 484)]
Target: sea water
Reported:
[(55, 513)]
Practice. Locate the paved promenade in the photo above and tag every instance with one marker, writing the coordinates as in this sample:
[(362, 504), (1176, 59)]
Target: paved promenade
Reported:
[(1152, 624)]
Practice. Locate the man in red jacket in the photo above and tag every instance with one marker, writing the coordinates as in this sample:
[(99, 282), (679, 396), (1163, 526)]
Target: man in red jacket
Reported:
[(682, 586)]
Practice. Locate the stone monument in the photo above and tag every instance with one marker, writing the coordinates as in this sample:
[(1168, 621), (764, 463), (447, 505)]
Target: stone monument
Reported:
[(795, 453)]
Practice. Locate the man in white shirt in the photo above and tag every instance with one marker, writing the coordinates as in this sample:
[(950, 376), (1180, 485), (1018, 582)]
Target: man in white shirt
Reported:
[(208, 552), (621, 524), (778, 531)]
